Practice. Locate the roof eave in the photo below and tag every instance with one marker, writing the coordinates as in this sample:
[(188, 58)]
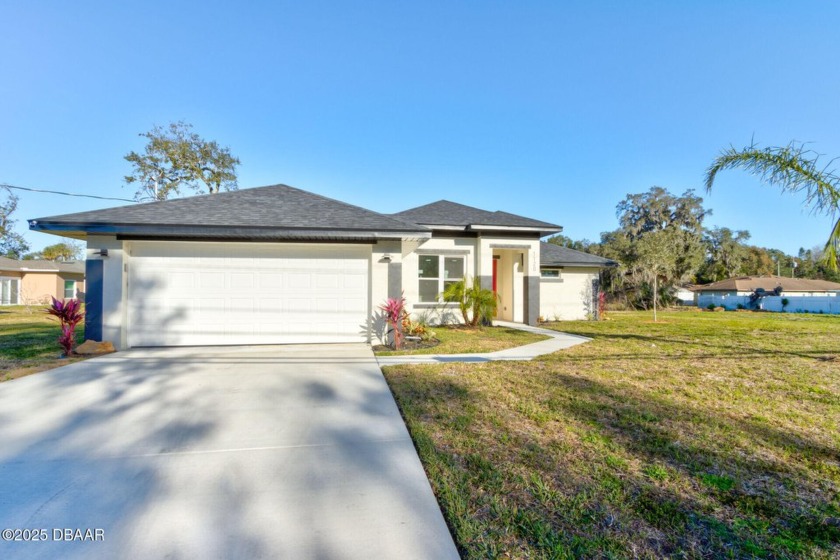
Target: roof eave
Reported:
[(579, 264), (232, 232), (542, 230)]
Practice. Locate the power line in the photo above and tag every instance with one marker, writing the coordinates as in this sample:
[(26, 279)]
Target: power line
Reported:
[(66, 193)]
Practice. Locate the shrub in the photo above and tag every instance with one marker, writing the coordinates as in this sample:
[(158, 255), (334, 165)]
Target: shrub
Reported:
[(741, 306), (475, 300), (618, 305), (711, 307), (417, 327), (69, 315), (785, 303)]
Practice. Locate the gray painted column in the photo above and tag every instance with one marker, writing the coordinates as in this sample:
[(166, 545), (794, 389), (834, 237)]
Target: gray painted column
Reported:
[(532, 299), (394, 279), (93, 299)]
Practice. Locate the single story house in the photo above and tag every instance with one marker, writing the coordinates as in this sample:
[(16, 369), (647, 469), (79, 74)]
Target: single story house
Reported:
[(281, 265), (771, 293), (36, 281), (685, 295)]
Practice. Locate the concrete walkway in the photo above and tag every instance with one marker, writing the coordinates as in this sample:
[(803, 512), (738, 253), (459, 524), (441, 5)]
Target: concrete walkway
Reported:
[(558, 341)]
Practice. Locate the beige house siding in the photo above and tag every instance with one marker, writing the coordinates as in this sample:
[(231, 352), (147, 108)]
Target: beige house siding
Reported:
[(38, 287), (80, 284)]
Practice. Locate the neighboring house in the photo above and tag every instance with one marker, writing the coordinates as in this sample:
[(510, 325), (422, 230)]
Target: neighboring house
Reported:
[(685, 295), (281, 265), (35, 281), (569, 282), (768, 293)]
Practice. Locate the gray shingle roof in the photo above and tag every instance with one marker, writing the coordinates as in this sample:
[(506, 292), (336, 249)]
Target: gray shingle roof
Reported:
[(41, 265), (278, 207), (9, 264), (768, 283), (555, 255), (446, 213)]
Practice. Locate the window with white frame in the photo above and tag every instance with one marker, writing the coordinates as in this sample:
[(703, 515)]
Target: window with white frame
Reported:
[(550, 273), (9, 291), (69, 289), (436, 272)]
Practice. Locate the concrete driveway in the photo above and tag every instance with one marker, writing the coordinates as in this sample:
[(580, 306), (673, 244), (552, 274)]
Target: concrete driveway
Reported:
[(239, 452)]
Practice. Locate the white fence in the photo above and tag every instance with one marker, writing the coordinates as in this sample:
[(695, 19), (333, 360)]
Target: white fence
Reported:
[(796, 304)]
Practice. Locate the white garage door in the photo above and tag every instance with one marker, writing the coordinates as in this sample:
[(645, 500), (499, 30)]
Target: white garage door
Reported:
[(197, 293)]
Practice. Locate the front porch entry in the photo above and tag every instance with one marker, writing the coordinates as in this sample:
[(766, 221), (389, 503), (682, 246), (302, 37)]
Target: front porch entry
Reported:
[(509, 284)]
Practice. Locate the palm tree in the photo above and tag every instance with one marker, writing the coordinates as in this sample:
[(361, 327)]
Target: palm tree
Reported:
[(793, 169), (480, 300)]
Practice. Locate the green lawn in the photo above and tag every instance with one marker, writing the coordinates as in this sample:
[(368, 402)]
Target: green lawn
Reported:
[(29, 341), (707, 435), (464, 340)]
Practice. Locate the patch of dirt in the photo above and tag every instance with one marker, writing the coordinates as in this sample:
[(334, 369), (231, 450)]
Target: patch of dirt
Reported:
[(408, 345), (9, 372)]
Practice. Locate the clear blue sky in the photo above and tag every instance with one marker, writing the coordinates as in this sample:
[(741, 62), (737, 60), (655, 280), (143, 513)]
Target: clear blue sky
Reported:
[(553, 110)]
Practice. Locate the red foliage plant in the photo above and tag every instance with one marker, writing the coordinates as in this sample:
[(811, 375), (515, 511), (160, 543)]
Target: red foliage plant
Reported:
[(394, 309), (602, 305), (69, 314)]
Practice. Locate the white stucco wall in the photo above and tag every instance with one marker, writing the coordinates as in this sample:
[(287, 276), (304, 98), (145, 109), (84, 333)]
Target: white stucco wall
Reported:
[(685, 296), (569, 297), (478, 253), (531, 247), (435, 313), (379, 284), (524, 272), (113, 286), (563, 300)]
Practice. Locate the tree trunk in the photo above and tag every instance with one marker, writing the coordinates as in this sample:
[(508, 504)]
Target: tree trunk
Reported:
[(655, 279)]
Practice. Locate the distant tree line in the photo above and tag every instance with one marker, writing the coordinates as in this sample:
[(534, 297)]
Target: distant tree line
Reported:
[(662, 242)]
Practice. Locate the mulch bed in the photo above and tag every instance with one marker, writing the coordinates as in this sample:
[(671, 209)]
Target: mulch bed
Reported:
[(409, 345)]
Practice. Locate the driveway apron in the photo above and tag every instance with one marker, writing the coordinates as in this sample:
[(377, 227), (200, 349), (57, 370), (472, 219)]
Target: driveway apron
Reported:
[(223, 452)]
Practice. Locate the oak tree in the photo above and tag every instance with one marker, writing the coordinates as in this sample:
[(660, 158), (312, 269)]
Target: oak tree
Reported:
[(176, 157)]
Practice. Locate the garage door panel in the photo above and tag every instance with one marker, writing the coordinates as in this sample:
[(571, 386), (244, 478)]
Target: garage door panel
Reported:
[(354, 281), (299, 280), (298, 305), (327, 281), (350, 305), (241, 281), (215, 293), (271, 281), (237, 330), (210, 309), (208, 280)]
